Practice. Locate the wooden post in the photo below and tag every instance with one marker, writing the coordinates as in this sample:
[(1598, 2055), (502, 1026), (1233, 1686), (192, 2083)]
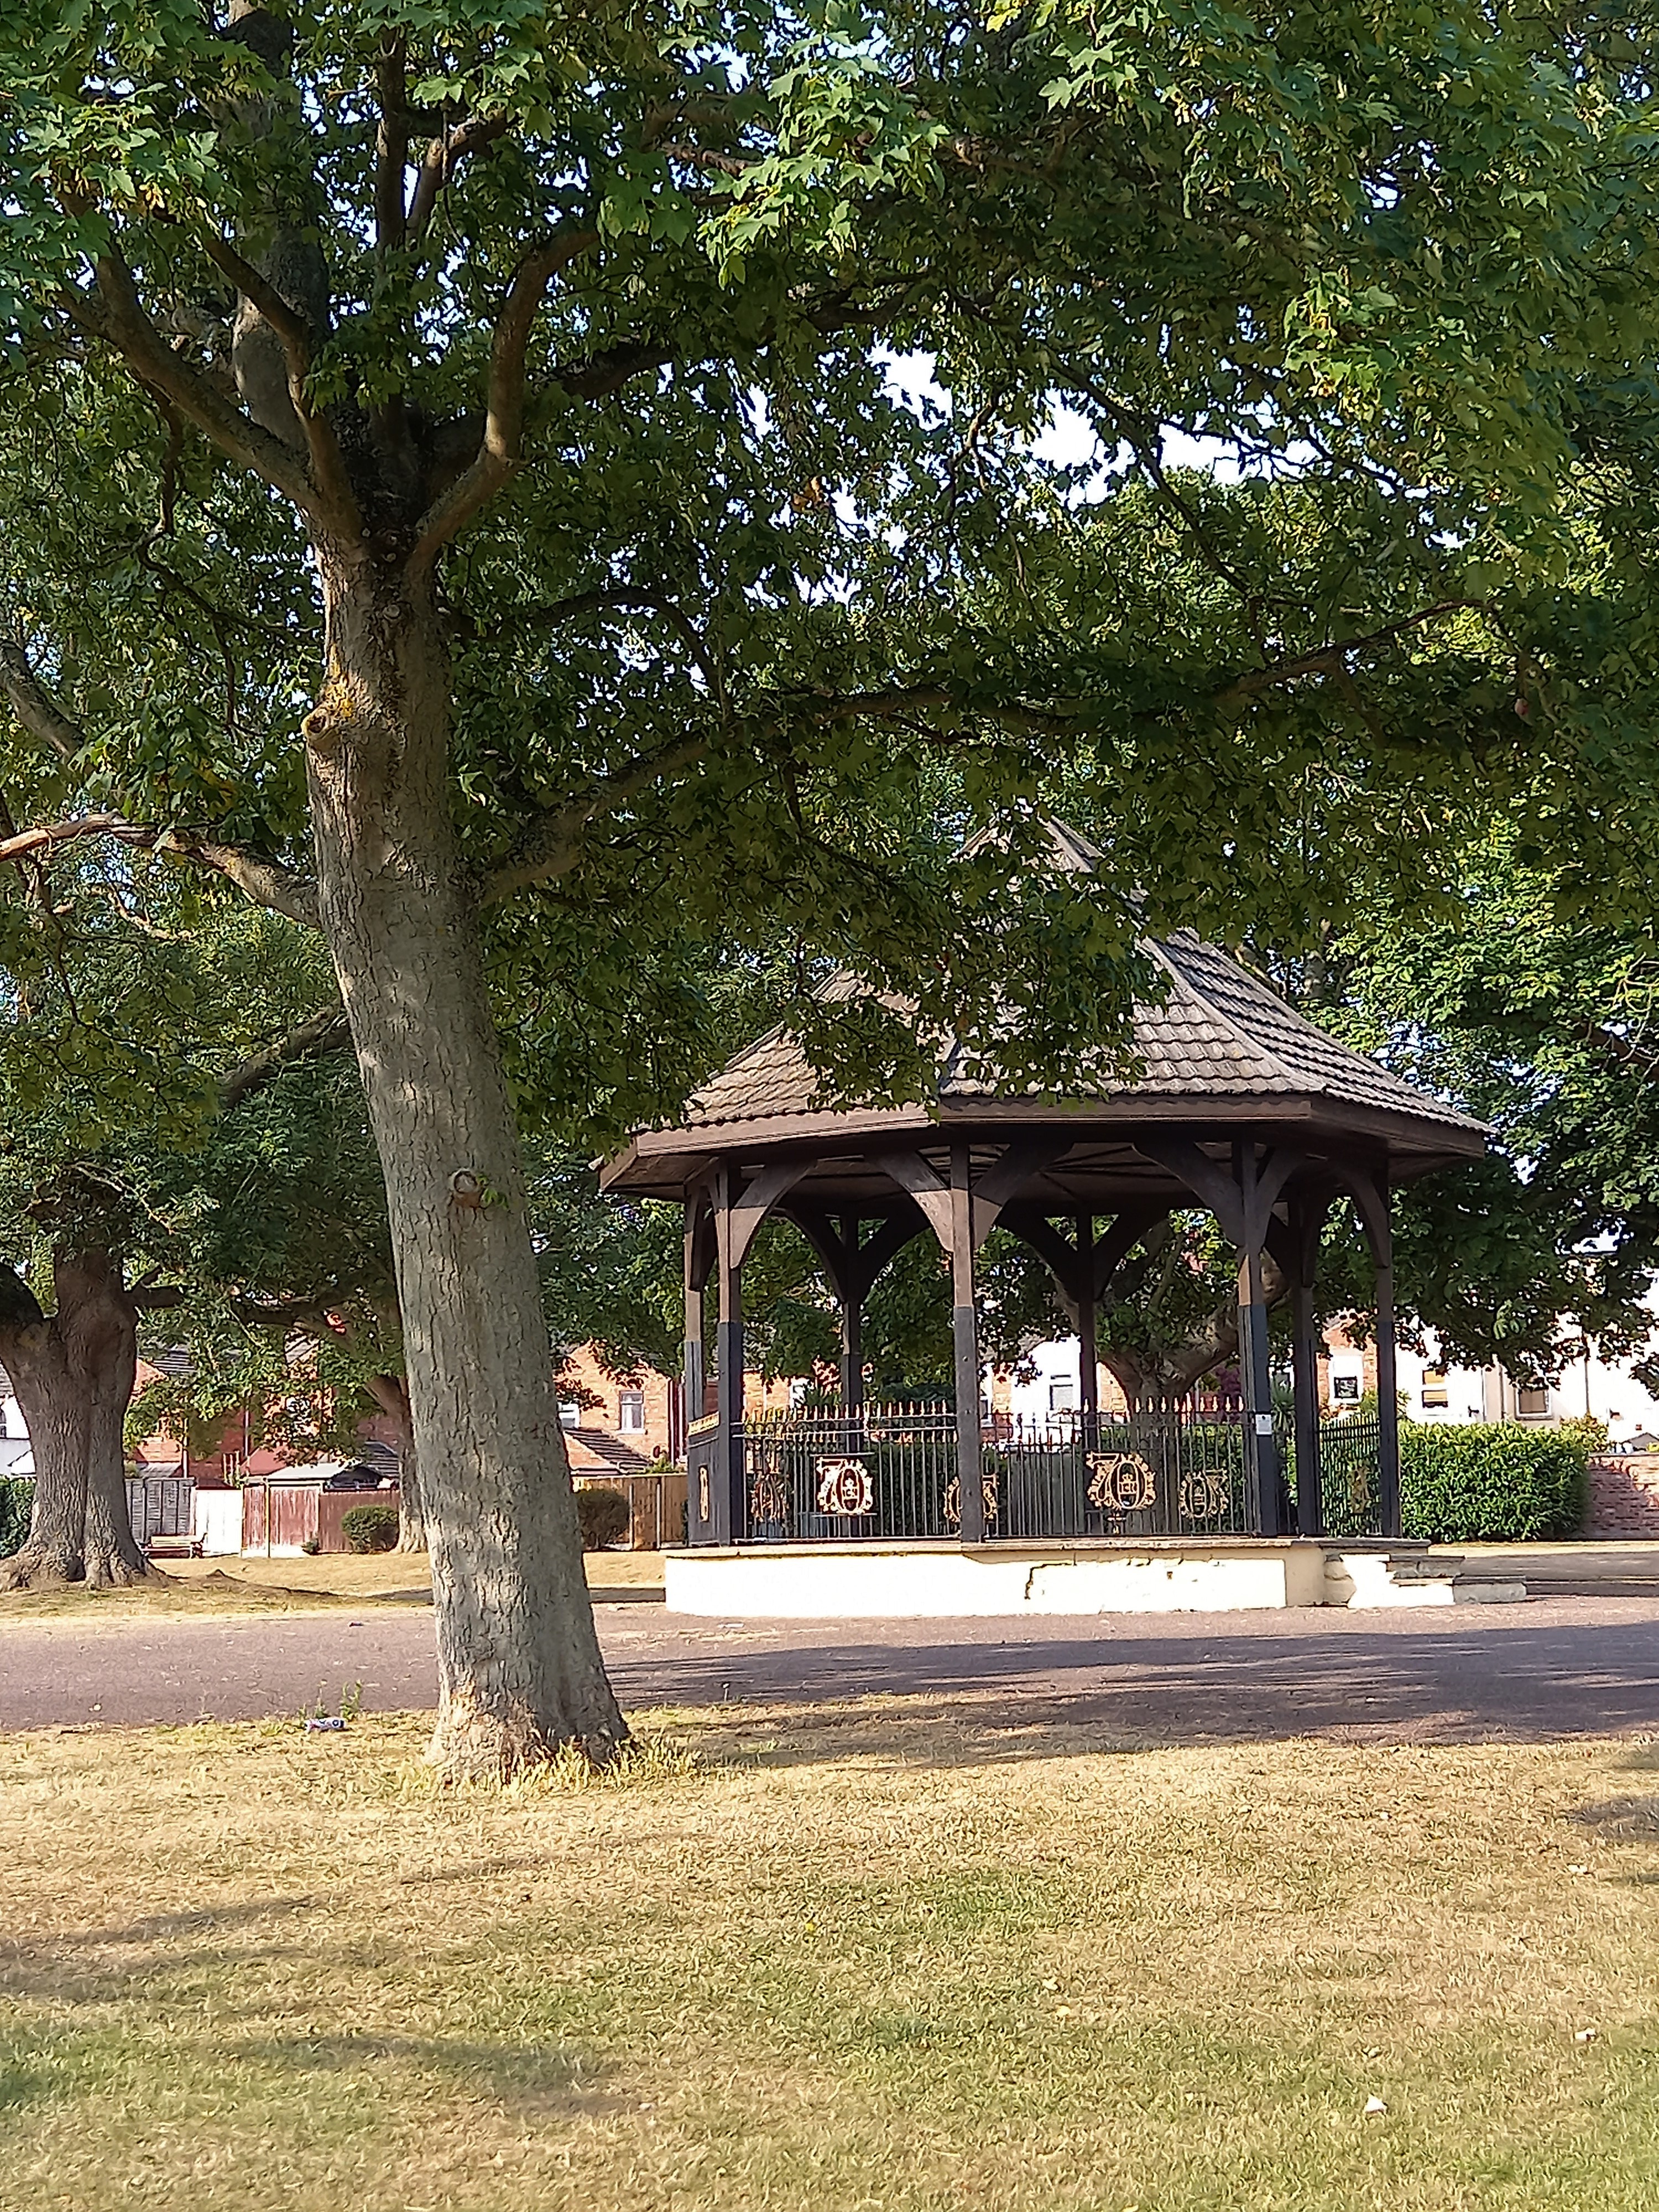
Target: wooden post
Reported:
[(853, 1319), (1388, 1387), (1261, 1450), (964, 1330), (728, 1494), (1305, 1360), (1088, 1356), (694, 1364)]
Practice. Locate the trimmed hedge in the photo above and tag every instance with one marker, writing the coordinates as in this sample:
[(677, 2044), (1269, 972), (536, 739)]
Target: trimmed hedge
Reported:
[(370, 1528), (16, 1504), (1492, 1483), (603, 1516)]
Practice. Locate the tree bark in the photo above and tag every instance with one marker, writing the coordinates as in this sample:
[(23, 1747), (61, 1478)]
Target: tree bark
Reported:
[(94, 1306), (37, 1360), (73, 1374), (519, 1664)]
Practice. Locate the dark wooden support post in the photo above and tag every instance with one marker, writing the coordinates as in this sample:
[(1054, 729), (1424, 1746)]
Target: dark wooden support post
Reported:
[(729, 1495), (851, 1299), (1371, 1195), (964, 1330), (695, 1280), (1306, 1222), (1088, 1358), (1261, 1449), (1388, 1387)]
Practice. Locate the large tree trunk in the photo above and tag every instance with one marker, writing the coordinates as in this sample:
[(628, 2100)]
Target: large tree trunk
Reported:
[(103, 1324), (73, 1374), (519, 1665)]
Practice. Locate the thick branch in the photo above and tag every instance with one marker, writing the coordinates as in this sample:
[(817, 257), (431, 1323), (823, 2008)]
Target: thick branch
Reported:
[(327, 464), (390, 147), (550, 844), (1332, 660), (443, 157), (34, 708), (500, 452), (117, 319), (261, 881), (325, 1031)]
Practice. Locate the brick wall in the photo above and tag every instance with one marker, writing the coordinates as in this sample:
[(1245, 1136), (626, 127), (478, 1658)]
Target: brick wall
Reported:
[(1624, 1496)]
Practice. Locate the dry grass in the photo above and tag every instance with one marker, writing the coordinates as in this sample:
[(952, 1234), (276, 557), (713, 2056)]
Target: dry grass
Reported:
[(878, 1956), (203, 1588)]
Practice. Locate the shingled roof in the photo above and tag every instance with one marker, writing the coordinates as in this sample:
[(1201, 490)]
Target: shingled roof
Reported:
[(1220, 1033), (1219, 1041)]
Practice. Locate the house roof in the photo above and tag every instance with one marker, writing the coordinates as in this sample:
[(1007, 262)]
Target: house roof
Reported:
[(1219, 1046)]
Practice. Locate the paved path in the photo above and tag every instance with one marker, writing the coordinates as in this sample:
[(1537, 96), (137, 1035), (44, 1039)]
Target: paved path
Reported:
[(1558, 1667)]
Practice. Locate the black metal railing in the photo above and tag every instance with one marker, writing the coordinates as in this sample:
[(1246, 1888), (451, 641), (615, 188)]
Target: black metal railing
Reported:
[(889, 1470), (1350, 1466), (820, 1473), (880, 1470)]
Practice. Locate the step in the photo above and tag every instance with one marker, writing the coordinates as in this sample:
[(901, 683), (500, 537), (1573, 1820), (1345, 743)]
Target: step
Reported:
[(1361, 1580)]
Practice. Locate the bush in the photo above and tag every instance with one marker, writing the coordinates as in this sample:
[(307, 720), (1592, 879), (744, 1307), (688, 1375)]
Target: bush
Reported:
[(370, 1528), (311, 1547), (603, 1515), (16, 1504), (1494, 1484)]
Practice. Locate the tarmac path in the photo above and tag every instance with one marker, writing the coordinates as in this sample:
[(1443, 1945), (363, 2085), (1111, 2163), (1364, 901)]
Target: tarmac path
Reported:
[(1541, 1670)]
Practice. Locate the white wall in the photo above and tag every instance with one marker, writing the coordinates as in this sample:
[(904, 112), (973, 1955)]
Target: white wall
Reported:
[(1607, 1391), (217, 1522), (1052, 1369), (15, 1455)]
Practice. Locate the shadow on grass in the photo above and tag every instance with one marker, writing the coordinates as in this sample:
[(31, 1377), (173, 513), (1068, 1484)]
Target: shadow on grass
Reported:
[(542, 2083), (1203, 1682)]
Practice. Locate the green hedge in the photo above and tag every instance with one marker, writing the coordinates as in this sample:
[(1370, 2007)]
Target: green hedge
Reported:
[(370, 1528), (16, 1503), (602, 1514), (1496, 1482)]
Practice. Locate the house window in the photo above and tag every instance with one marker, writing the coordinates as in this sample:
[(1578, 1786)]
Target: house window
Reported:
[(630, 1410), (570, 1414), (1532, 1405), (1062, 1396), (1345, 1389), (1434, 1387)]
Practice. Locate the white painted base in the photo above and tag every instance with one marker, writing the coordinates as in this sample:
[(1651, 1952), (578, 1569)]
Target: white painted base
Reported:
[(920, 1581), (849, 1583)]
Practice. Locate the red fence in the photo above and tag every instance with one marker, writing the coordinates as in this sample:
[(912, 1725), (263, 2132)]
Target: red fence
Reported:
[(301, 1513)]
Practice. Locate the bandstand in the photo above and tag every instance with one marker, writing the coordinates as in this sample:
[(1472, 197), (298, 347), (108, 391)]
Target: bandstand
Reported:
[(1241, 1107)]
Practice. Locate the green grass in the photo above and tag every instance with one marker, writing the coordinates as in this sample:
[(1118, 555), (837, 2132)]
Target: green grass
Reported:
[(887, 1956)]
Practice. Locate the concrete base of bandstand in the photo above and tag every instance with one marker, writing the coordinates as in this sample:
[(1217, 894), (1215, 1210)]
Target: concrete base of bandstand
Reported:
[(923, 1580)]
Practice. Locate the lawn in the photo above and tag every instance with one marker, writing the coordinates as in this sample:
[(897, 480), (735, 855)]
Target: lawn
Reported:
[(198, 1588), (876, 1956)]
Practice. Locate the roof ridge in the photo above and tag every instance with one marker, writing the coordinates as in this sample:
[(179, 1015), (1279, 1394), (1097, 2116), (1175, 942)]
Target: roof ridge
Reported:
[(1157, 947)]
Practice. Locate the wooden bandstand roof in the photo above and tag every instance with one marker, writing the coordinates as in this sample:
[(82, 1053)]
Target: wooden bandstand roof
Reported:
[(1220, 1056)]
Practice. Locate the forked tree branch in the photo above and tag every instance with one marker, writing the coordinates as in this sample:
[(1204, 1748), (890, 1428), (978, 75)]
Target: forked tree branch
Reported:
[(551, 843), (500, 452), (327, 463), (117, 318), (260, 881), (1333, 659)]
